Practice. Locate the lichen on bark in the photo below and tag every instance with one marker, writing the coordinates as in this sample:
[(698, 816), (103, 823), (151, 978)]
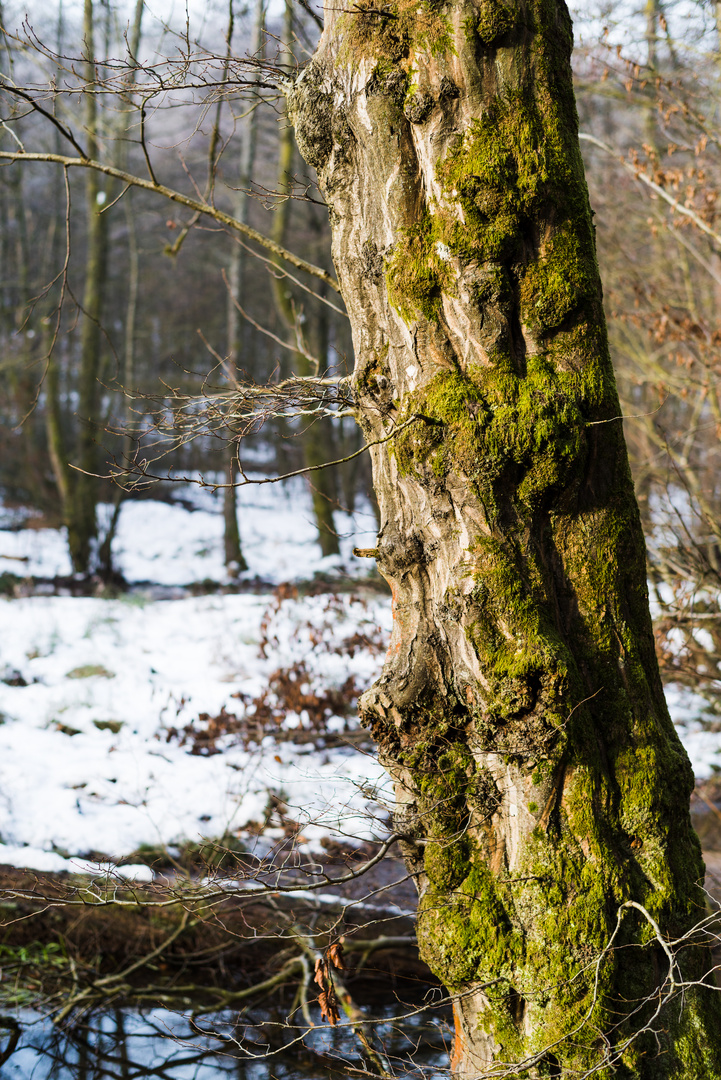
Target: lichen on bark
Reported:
[(540, 782)]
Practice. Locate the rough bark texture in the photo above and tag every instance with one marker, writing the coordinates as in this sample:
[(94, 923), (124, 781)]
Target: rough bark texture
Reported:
[(540, 781)]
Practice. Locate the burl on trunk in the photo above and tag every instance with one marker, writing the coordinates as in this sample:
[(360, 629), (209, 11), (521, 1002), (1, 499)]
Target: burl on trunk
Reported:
[(540, 781)]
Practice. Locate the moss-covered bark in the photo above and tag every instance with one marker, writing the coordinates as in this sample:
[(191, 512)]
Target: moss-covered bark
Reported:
[(540, 781)]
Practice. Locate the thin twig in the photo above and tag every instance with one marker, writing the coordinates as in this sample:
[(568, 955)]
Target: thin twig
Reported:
[(184, 200)]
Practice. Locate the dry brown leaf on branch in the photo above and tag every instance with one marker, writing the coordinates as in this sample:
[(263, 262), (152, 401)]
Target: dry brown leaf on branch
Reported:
[(335, 954), (328, 1007)]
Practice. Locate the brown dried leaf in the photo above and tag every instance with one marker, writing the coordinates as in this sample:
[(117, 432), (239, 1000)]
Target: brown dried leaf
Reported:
[(328, 1007), (335, 952)]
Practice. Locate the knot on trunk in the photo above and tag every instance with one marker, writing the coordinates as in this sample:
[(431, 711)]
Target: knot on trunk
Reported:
[(397, 553), (419, 107), (388, 80), (310, 108), (409, 826), (371, 262)]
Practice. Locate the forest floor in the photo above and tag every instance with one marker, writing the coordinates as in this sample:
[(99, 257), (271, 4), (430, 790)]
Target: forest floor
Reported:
[(138, 725), (175, 748)]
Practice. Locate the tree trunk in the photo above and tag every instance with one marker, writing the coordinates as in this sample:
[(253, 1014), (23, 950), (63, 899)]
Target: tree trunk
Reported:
[(81, 513), (316, 443), (653, 13), (539, 779), (129, 445), (234, 557), (54, 428)]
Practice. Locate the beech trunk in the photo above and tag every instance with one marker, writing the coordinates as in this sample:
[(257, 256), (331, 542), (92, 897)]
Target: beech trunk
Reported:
[(540, 781)]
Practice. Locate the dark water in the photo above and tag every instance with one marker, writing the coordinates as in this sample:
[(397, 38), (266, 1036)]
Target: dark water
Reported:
[(125, 1045)]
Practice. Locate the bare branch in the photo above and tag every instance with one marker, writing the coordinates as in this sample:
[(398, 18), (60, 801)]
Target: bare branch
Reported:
[(634, 170), (184, 200)]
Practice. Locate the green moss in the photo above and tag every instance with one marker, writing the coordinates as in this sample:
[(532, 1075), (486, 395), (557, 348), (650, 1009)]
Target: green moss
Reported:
[(416, 274), (499, 426), (496, 20), (560, 282), (504, 172), (447, 862), (525, 663), (467, 935), (445, 780), (88, 671), (392, 32), (419, 446)]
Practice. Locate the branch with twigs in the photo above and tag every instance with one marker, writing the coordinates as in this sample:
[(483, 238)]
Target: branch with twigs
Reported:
[(231, 415), (640, 174), (317, 955), (198, 205)]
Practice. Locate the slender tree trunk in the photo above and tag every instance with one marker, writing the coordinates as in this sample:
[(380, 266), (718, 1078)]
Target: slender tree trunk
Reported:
[(234, 558), (5, 294), (315, 441), (55, 428), (105, 552), (54, 431), (652, 26), (540, 781), (81, 520), (233, 551), (319, 444)]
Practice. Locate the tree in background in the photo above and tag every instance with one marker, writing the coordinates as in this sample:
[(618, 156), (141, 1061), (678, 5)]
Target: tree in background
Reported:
[(234, 360), (651, 134), (310, 333)]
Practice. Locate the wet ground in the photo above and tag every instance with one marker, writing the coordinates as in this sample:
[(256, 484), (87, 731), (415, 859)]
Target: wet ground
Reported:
[(125, 1045), (406, 1022)]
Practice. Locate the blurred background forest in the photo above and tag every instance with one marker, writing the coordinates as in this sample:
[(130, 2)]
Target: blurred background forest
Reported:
[(116, 303)]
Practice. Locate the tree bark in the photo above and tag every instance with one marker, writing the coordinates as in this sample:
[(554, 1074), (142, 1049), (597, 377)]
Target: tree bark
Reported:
[(315, 442), (81, 510), (540, 781)]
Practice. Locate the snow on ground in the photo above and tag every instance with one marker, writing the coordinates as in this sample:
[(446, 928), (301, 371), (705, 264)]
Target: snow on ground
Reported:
[(168, 545), (698, 728), (85, 765), (85, 761), (93, 690)]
